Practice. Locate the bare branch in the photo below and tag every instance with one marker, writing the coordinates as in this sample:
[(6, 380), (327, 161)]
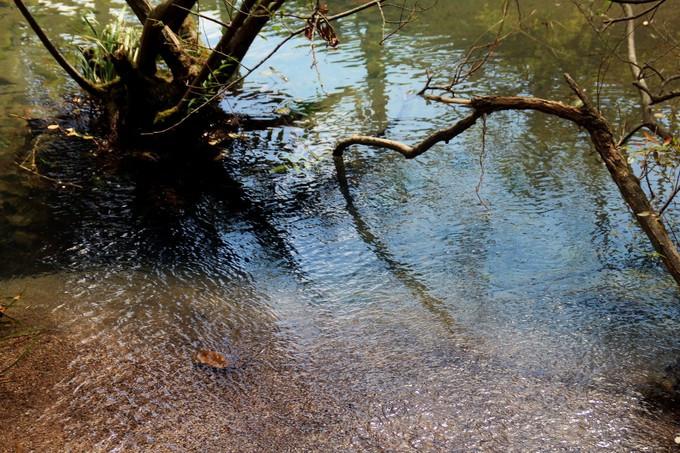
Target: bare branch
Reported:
[(600, 134), (58, 57), (646, 100), (223, 89), (627, 17)]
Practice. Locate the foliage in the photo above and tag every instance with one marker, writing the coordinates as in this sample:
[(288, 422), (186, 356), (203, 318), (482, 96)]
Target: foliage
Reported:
[(94, 61)]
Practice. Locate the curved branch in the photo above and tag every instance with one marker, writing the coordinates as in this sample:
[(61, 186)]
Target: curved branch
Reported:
[(627, 17), (659, 98), (58, 57), (481, 106), (409, 152), (600, 135)]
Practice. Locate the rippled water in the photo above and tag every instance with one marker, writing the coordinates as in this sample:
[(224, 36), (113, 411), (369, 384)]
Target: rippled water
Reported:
[(379, 306)]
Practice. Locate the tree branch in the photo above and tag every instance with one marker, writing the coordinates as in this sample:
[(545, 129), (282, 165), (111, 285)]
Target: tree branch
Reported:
[(160, 27), (627, 17), (170, 47), (646, 100), (58, 57), (194, 87), (600, 134), (409, 152)]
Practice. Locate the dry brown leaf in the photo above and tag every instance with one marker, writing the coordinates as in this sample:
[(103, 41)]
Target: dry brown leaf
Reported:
[(211, 358), (317, 23), (650, 137)]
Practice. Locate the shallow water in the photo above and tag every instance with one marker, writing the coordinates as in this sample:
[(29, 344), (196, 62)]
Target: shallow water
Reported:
[(379, 306)]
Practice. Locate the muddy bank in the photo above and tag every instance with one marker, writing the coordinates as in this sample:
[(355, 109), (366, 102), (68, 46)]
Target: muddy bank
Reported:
[(244, 410), (82, 387), (29, 388)]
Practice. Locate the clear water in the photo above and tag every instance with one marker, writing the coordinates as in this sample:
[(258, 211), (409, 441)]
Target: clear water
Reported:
[(380, 307)]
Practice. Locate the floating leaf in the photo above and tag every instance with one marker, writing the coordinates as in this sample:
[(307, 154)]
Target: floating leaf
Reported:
[(211, 358), (644, 214), (279, 169)]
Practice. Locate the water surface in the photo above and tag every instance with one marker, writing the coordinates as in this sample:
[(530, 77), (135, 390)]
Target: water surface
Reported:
[(379, 307)]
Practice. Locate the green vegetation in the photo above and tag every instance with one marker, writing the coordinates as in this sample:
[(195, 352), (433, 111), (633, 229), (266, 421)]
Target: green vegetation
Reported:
[(95, 59)]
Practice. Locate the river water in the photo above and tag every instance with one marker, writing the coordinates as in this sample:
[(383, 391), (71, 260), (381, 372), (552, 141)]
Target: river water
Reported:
[(382, 307)]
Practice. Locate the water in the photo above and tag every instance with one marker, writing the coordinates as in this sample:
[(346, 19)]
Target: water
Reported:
[(378, 306)]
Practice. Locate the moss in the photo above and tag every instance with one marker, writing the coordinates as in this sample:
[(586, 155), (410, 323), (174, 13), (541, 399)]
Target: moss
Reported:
[(165, 115)]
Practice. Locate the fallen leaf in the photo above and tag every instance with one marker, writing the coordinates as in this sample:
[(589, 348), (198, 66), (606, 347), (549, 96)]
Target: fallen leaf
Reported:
[(53, 127), (668, 141), (650, 137), (677, 440), (211, 358), (2, 310)]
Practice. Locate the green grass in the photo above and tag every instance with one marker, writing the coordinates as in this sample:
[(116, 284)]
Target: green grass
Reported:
[(94, 60)]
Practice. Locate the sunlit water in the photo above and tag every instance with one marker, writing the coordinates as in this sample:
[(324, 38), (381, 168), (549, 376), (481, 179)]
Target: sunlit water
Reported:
[(379, 306)]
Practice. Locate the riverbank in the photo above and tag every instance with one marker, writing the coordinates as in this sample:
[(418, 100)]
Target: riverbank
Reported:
[(78, 389), (112, 371), (29, 388)]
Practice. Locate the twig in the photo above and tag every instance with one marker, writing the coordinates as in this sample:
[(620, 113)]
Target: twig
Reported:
[(50, 179), (482, 155), (25, 352), (652, 8), (226, 87)]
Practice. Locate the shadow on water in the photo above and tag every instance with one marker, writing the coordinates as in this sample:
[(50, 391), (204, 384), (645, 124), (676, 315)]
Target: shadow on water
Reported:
[(94, 208), (398, 269)]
